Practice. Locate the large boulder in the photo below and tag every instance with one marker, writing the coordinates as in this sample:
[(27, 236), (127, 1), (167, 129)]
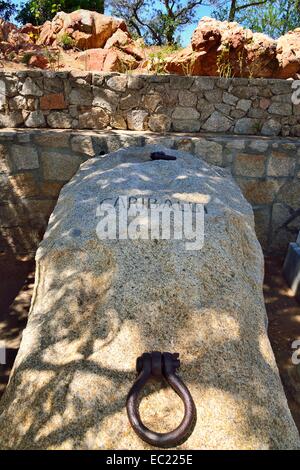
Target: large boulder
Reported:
[(99, 303), (107, 60), (13, 39), (288, 54), (185, 62), (227, 49), (88, 29)]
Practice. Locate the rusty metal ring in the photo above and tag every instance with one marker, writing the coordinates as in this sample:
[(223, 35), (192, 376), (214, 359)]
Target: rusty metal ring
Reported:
[(160, 365)]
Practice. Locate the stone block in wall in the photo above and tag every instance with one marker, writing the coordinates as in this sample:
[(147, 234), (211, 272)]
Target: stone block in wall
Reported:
[(187, 98), (2, 95), (217, 122), (271, 127), (167, 141), (11, 86), (59, 120), (50, 189), (21, 239), (137, 119), (81, 96), (247, 125), (248, 164), (281, 164), (96, 118), (281, 109), (180, 82), (53, 101), (259, 191), (53, 83), (35, 119), (244, 91), (26, 211), (222, 107), (211, 152), (230, 99), (259, 145), (17, 103), (117, 82), (106, 99), (151, 102), (30, 88), (12, 119), (184, 144), (290, 193), (6, 165), (159, 123), (118, 121), (185, 113), (186, 125), (83, 144), (281, 214), (135, 82), (283, 231), (129, 101), (114, 141), (22, 185), (24, 157), (51, 139), (244, 105), (59, 165), (262, 217), (202, 83), (214, 96)]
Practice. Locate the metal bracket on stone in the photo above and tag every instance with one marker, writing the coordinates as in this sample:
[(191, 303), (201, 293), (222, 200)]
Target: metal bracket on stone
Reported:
[(157, 365), (161, 156)]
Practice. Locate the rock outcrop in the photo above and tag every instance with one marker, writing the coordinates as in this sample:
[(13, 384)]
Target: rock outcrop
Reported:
[(288, 54), (227, 49), (11, 38), (88, 29), (107, 60), (100, 303)]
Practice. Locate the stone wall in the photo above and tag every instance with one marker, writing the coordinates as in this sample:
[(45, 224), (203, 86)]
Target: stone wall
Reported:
[(159, 103), (35, 164)]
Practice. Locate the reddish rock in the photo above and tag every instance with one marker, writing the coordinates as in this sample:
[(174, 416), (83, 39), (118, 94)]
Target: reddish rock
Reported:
[(185, 62), (53, 101), (226, 49), (31, 30), (93, 59), (122, 40), (264, 103), (88, 29), (46, 34), (288, 54), (107, 60), (260, 57), (11, 39), (38, 60), (119, 39)]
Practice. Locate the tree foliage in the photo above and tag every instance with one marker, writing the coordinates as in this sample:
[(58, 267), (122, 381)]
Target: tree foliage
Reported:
[(272, 17), (39, 11), (159, 22), (7, 9)]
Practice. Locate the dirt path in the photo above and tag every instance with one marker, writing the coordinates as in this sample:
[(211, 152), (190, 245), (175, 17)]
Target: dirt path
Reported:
[(284, 326), (16, 287)]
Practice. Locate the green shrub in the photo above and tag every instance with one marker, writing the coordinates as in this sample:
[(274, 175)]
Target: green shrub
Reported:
[(65, 41)]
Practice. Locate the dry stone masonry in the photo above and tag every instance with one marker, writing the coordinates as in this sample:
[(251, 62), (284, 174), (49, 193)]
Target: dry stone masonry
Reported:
[(158, 103), (35, 164)]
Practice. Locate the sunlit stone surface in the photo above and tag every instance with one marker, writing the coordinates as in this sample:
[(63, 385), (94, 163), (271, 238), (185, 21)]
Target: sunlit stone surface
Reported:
[(98, 304)]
